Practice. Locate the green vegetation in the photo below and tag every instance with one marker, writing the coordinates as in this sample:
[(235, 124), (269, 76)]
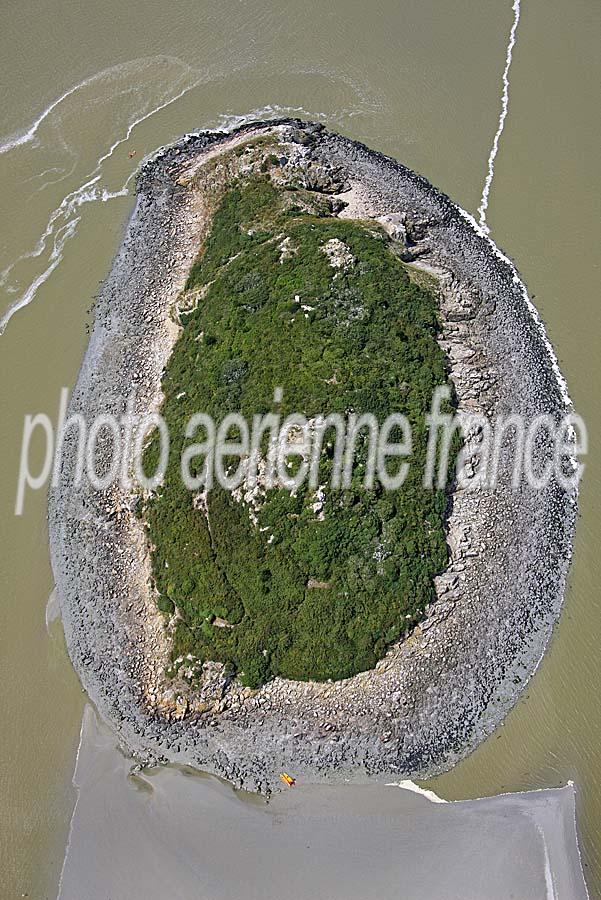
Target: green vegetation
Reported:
[(308, 596)]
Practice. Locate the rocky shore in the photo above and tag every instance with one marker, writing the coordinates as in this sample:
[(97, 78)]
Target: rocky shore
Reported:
[(441, 690)]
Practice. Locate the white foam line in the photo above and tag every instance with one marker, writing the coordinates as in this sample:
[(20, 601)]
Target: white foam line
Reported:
[(78, 792), (571, 784), (78, 196), (231, 121), (504, 108), (61, 236), (63, 174), (25, 137), (549, 879), (71, 202), (18, 139), (52, 612), (137, 122), (408, 785), (67, 231), (67, 205), (524, 793), (483, 231), (51, 171)]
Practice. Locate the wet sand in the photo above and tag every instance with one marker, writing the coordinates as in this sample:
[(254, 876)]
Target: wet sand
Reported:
[(173, 832)]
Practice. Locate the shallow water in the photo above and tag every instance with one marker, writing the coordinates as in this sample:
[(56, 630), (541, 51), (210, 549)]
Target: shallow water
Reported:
[(421, 81)]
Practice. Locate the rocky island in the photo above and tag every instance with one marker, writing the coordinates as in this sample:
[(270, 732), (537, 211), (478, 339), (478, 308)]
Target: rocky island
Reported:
[(340, 635)]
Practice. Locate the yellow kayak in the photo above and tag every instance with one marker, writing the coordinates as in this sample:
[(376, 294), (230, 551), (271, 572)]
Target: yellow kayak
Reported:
[(288, 779)]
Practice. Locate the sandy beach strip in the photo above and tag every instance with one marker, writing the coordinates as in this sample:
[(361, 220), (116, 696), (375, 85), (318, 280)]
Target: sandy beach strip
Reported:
[(176, 833)]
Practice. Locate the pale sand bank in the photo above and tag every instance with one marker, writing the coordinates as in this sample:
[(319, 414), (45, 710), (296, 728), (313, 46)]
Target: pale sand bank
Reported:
[(182, 835)]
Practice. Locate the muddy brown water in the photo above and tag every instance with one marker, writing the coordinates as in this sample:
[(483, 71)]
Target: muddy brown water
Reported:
[(420, 81)]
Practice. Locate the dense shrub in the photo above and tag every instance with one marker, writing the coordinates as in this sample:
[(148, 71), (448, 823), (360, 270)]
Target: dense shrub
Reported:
[(307, 598)]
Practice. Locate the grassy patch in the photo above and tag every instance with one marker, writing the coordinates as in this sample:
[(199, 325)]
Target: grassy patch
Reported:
[(309, 597)]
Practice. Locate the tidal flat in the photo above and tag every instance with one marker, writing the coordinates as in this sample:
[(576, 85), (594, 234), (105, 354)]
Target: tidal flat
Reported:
[(183, 833)]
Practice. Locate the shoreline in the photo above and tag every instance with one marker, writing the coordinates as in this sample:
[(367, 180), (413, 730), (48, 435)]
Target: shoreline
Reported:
[(433, 697), (382, 834)]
